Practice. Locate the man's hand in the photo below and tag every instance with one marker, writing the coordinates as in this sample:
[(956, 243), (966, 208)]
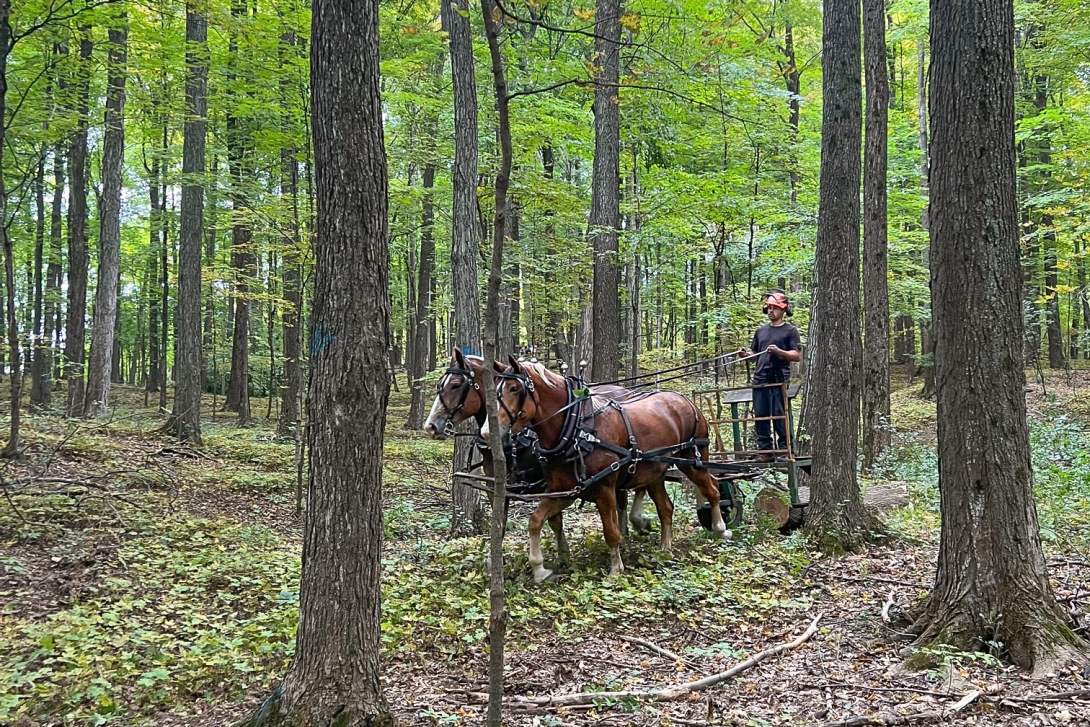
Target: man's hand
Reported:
[(773, 349), (741, 353)]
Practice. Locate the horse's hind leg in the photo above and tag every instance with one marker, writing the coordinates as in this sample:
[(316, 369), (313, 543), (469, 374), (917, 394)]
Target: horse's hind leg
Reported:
[(708, 488), (607, 509), (665, 508), (546, 510), (622, 507), (556, 522), (636, 516)]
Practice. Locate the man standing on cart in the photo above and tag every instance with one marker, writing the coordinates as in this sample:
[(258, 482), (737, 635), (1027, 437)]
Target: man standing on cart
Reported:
[(777, 342)]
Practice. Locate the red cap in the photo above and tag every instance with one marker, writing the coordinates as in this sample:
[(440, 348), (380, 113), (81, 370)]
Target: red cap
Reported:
[(778, 300)]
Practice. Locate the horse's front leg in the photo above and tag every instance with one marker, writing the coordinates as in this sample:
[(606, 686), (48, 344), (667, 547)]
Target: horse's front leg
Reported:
[(607, 509), (546, 510)]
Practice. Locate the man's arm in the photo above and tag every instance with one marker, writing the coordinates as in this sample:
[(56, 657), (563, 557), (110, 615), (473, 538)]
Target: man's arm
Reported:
[(794, 356)]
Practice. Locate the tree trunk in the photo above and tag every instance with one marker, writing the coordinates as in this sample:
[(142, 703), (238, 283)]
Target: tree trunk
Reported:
[(876, 434), (1084, 303), (927, 339), (96, 401), (41, 391), (605, 210), (424, 344), (164, 300), (36, 343), (837, 519), (497, 625), (1056, 359), (468, 514), (185, 419), (208, 329), (152, 276), (75, 329), (291, 389), (991, 585), (242, 259), (11, 448), (335, 676)]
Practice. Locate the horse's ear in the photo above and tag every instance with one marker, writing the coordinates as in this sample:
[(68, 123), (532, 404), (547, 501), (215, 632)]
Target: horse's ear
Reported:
[(514, 362), (459, 359), (500, 368)]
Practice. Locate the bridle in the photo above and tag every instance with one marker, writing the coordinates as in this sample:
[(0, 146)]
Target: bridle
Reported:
[(469, 381), (526, 391)]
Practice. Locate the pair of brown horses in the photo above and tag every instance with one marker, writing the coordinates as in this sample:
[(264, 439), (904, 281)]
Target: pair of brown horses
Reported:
[(592, 445)]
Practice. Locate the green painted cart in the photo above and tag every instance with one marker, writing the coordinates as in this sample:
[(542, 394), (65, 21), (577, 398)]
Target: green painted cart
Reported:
[(730, 418)]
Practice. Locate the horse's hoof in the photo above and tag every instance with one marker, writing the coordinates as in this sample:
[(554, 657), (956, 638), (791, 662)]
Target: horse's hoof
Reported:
[(542, 574), (642, 525), (724, 534)]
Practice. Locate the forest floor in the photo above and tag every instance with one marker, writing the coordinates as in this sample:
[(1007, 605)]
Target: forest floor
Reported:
[(144, 583)]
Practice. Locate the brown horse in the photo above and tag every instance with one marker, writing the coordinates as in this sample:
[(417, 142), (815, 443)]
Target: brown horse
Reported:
[(596, 444), (459, 398)]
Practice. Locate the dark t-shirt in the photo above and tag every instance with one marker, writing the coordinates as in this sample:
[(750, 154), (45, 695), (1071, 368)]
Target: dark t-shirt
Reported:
[(772, 369)]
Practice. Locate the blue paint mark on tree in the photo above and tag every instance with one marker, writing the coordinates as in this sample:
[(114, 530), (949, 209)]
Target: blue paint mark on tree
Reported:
[(468, 351), (321, 340)]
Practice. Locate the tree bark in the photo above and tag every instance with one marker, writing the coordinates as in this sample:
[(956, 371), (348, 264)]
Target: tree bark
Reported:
[(837, 519), (468, 513), (41, 391), (39, 255), (422, 318), (335, 676), (876, 434), (991, 585), (292, 388), (152, 276), (11, 448), (605, 210), (1056, 358), (242, 258), (927, 338), (497, 625), (96, 400), (185, 419), (75, 329)]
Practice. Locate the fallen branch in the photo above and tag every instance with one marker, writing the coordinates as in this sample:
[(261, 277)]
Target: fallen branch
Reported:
[(899, 719), (875, 579), (668, 693), (1057, 697), (651, 646)]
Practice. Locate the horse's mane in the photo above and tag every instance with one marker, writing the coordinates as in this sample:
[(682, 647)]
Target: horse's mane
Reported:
[(547, 377)]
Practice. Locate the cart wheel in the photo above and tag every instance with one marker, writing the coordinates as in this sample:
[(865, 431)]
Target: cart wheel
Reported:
[(730, 506)]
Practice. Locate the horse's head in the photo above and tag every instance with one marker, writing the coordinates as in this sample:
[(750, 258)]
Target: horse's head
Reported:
[(525, 394), (458, 397)]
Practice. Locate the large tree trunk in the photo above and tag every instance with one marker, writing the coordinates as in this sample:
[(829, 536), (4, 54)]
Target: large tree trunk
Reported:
[(96, 400), (876, 434), (991, 584), (185, 419), (605, 210), (334, 677), (468, 514), (75, 329), (422, 317), (836, 515)]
